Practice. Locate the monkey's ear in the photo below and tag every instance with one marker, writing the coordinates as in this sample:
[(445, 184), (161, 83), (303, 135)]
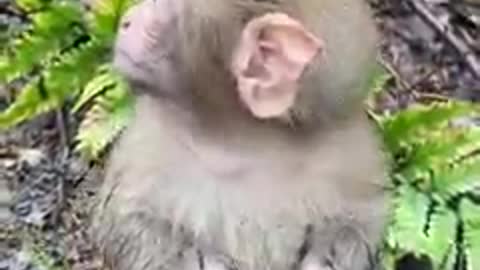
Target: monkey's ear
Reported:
[(269, 60)]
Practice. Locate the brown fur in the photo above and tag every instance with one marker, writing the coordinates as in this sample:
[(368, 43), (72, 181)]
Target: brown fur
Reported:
[(197, 182), (214, 27)]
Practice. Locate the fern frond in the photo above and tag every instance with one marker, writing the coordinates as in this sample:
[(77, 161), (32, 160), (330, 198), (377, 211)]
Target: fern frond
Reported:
[(52, 30), (440, 149), (440, 239), (75, 69), (408, 220), (420, 121), (458, 178), (57, 82), (31, 101), (95, 87), (470, 213), (436, 158), (109, 115), (408, 230)]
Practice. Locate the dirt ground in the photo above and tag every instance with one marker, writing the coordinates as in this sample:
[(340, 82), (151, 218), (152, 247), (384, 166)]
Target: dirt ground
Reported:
[(431, 48)]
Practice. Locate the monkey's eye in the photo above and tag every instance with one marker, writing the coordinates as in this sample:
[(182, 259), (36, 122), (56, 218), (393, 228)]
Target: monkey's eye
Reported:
[(125, 24)]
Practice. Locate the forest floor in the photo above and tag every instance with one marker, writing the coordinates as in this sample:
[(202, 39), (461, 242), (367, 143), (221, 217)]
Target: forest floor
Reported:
[(431, 48)]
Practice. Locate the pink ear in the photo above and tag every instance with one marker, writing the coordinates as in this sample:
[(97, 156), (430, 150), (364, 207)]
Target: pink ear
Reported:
[(270, 58)]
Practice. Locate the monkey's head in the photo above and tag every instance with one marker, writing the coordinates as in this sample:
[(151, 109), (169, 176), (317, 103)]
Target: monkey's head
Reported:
[(271, 57)]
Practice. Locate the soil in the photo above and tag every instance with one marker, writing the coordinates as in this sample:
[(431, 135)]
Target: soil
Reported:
[(431, 49)]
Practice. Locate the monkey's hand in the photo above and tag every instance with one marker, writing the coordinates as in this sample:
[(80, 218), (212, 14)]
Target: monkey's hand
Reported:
[(341, 248)]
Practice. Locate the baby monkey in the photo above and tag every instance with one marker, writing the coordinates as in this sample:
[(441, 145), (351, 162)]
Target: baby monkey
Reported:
[(249, 148)]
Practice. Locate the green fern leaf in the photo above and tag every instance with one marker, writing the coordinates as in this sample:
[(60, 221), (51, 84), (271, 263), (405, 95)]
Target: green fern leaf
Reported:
[(457, 178), (60, 15), (408, 219), (52, 30), (440, 149), (470, 213), (104, 121), (59, 81), (75, 69), (407, 231), (409, 126), (103, 81), (440, 239), (31, 101)]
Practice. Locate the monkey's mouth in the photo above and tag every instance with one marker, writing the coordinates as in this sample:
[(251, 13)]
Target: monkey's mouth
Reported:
[(126, 64), (137, 73), (123, 58)]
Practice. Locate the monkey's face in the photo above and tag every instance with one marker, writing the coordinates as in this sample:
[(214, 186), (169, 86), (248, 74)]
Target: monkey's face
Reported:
[(145, 47)]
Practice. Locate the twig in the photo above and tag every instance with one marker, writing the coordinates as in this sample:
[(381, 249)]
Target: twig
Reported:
[(463, 49), (404, 85)]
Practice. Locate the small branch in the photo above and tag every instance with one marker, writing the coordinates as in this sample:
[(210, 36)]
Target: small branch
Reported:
[(404, 85), (459, 45)]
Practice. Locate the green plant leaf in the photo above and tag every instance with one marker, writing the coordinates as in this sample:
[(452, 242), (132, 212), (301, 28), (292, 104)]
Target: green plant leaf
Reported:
[(105, 79), (440, 239), (30, 102), (109, 115), (417, 122), (440, 149), (57, 82), (52, 30), (408, 219), (470, 213), (457, 179)]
